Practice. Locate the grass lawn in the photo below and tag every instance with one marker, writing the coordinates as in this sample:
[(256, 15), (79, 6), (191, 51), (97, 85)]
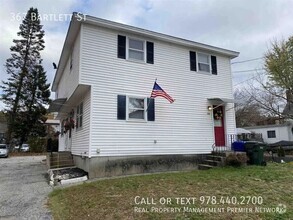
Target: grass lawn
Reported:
[(258, 191)]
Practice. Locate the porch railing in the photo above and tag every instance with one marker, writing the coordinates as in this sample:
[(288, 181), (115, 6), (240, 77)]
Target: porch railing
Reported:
[(226, 145)]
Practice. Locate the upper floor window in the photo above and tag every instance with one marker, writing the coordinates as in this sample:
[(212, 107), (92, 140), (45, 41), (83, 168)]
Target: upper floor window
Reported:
[(71, 62), (135, 49), (203, 62)]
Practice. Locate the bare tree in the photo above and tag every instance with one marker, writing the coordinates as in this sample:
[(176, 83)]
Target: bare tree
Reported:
[(248, 112), (272, 91)]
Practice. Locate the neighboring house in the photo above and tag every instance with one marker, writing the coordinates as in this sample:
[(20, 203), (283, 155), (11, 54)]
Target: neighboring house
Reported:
[(274, 133), (103, 83), (53, 126)]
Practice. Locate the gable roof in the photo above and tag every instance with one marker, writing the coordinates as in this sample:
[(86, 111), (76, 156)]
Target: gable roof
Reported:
[(76, 22)]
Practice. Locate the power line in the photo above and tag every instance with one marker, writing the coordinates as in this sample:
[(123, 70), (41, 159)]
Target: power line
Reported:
[(246, 80), (244, 61), (243, 71)]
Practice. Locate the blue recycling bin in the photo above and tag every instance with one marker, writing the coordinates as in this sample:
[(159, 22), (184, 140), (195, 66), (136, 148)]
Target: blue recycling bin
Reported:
[(238, 146)]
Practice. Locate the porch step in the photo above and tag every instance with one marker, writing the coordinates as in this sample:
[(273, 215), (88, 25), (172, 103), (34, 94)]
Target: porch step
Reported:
[(216, 158), (204, 167), (221, 154), (213, 162), (59, 160)]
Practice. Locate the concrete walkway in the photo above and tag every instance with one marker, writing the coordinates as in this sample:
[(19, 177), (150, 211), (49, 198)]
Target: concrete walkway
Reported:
[(23, 188)]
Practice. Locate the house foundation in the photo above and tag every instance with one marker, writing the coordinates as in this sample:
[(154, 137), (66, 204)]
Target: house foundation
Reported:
[(98, 167)]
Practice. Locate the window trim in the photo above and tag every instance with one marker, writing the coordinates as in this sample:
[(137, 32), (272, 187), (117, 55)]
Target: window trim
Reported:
[(210, 62), (78, 116), (71, 63), (144, 49), (127, 109), (274, 132)]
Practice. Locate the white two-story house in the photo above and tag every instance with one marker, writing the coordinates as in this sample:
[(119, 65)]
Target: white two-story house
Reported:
[(109, 123)]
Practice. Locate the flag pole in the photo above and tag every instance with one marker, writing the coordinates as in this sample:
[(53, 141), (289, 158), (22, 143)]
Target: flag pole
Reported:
[(150, 97)]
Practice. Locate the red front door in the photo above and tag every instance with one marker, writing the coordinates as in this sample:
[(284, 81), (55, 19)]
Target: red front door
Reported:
[(219, 129)]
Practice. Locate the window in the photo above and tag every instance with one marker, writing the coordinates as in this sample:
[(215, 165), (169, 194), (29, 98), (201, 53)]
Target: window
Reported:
[(203, 62), (71, 61), (134, 108), (62, 127), (192, 58), (136, 49), (79, 115), (271, 134)]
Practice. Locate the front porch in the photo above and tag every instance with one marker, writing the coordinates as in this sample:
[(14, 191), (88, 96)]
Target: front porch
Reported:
[(218, 147), (221, 151)]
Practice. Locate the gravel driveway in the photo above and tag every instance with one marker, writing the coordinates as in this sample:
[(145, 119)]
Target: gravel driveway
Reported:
[(23, 188)]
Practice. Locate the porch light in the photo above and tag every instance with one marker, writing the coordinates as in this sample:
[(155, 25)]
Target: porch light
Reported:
[(210, 108)]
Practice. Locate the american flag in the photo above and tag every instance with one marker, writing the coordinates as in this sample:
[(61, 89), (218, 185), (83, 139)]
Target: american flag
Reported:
[(158, 91)]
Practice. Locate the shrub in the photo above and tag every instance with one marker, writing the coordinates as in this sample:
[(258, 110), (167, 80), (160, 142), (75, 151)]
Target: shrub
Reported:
[(236, 159), (281, 152), (37, 144)]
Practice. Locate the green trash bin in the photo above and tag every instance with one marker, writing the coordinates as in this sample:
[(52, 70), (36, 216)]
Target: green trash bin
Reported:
[(255, 152)]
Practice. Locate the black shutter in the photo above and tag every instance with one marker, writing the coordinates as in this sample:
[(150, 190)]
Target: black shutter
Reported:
[(151, 109), (150, 52), (121, 49), (192, 57), (121, 107), (214, 65)]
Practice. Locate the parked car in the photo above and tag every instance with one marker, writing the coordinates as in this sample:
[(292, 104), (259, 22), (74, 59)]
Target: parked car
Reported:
[(25, 148), (3, 150)]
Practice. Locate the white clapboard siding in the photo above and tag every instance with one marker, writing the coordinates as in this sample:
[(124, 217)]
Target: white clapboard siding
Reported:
[(81, 136), (184, 127), (70, 78), (66, 86)]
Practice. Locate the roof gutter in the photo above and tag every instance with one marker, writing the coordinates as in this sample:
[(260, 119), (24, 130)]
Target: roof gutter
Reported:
[(75, 24), (164, 37)]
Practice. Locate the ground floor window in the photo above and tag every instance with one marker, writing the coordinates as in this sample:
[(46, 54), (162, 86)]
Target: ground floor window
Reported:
[(79, 115), (271, 134), (132, 108), (136, 108)]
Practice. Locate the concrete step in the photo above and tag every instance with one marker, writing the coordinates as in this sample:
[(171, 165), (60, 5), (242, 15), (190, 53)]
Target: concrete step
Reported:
[(204, 167), (213, 162), (220, 154), (216, 158)]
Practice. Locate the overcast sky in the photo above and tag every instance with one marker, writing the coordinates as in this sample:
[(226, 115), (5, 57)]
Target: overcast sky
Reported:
[(246, 26)]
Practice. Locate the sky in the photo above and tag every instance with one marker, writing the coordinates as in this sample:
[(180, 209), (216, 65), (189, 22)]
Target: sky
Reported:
[(246, 26)]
